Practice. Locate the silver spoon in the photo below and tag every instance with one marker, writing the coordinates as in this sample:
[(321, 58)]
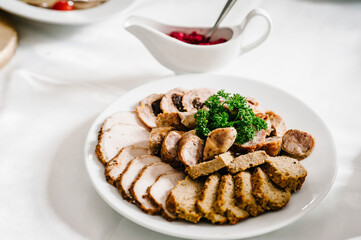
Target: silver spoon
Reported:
[(223, 14)]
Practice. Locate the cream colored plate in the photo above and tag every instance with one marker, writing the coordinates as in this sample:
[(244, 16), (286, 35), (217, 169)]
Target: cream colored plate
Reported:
[(321, 165), (8, 40)]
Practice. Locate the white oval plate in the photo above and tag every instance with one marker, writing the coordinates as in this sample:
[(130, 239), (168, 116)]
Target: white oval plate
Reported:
[(65, 17), (321, 165)]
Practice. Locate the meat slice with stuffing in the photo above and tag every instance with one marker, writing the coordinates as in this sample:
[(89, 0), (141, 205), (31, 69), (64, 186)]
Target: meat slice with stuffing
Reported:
[(149, 108), (172, 100), (194, 99)]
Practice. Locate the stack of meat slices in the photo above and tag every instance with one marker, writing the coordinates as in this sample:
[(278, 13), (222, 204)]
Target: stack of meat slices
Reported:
[(157, 162)]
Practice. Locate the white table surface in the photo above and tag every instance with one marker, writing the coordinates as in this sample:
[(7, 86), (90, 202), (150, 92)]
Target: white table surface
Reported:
[(62, 77)]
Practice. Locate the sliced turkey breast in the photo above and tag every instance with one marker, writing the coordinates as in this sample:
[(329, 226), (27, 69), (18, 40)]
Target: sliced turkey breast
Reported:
[(297, 143), (194, 99), (116, 166), (149, 108), (159, 191), (121, 117), (278, 124), (131, 172), (190, 149), (169, 150), (219, 141), (144, 180), (172, 100), (156, 138), (117, 137)]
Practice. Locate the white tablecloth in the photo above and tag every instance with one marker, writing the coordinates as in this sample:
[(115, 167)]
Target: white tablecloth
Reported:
[(62, 77)]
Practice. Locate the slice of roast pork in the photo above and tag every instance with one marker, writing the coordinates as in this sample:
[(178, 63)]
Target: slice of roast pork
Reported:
[(144, 180), (272, 145), (278, 124), (172, 100), (131, 172), (253, 145), (149, 108), (194, 99), (297, 143), (169, 150), (190, 149), (156, 138), (219, 141)]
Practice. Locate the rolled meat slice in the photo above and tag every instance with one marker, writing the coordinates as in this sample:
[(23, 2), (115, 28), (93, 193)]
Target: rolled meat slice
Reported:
[(159, 191), (117, 165), (172, 100), (278, 124), (272, 145), (297, 143), (147, 176), (131, 172), (194, 99), (219, 141), (190, 149), (169, 150), (156, 138), (149, 108)]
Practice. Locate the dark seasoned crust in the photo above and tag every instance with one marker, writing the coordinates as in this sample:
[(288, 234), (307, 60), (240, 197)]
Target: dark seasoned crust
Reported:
[(246, 161)]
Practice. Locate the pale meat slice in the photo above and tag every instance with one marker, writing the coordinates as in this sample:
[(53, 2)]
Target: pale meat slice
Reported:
[(219, 141), (182, 199), (246, 161), (172, 100), (116, 166), (211, 166), (297, 143), (121, 117), (190, 149), (117, 137), (169, 150), (131, 172), (207, 199), (148, 109), (195, 98), (159, 191), (226, 204), (147, 176), (272, 145), (254, 144), (278, 124), (156, 138)]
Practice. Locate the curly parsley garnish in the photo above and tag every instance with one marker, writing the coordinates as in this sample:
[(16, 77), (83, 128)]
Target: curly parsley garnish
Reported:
[(227, 110)]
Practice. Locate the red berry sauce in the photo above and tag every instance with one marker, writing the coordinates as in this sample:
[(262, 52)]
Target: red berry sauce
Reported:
[(195, 38)]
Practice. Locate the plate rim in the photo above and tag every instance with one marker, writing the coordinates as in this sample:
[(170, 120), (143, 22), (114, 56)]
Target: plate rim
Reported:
[(187, 236)]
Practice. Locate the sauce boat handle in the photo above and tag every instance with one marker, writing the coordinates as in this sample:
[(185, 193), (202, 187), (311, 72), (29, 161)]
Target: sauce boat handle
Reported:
[(249, 17)]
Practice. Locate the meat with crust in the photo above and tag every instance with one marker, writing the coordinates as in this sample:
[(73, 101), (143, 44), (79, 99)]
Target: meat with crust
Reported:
[(172, 100), (253, 145), (195, 98), (149, 108), (169, 150), (272, 145), (246, 161), (169, 120), (190, 149), (160, 189), (187, 119), (156, 138), (297, 143), (116, 166), (219, 141), (278, 124), (139, 188)]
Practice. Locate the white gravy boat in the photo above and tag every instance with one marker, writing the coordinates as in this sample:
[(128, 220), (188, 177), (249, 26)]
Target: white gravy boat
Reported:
[(183, 57)]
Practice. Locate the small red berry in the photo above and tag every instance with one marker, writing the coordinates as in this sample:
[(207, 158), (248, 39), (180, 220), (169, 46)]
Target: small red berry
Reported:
[(63, 5)]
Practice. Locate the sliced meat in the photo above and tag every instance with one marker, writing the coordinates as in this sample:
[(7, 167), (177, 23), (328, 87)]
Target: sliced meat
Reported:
[(159, 191), (243, 194), (169, 150), (156, 138), (117, 137), (219, 141), (247, 161), (286, 172), (190, 149), (226, 204), (269, 125), (254, 105), (267, 194), (272, 145), (172, 100), (207, 199), (297, 143), (147, 176), (278, 124), (253, 145), (187, 119), (131, 172), (252, 101), (121, 117), (194, 99), (182, 199), (149, 108), (116, 166), (211, 166), (169, 120)]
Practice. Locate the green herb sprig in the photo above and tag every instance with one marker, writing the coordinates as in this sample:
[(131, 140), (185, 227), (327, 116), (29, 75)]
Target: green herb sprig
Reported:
[(228, 110)]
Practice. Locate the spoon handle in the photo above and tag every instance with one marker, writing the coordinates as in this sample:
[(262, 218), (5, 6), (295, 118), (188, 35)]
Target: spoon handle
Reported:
[(223, 14)]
